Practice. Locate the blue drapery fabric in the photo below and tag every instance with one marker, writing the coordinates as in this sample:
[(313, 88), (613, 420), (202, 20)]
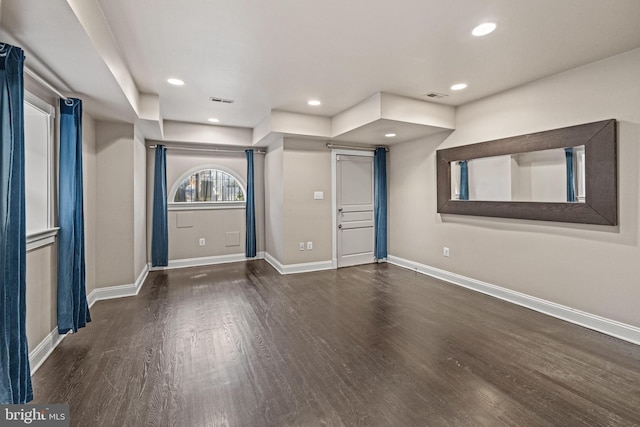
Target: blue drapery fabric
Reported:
[(73, 310), (571, 182), (380, 202), (464, 180), (160, 227), (15, 373), (250, 212)]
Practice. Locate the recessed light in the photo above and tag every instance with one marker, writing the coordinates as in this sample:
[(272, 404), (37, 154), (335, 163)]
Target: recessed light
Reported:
[(314, 102), (483, 29), (213, 120), (459, 86), (389, 135), (175, 82)]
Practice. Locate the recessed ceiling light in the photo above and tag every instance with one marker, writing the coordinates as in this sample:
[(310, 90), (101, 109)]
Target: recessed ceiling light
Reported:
[(483, 29), (175, 82), (459, 86), (314, 102), (213, 120), (389, 135)]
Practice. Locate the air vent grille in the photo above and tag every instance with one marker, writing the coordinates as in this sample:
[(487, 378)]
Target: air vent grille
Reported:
[(221, 100), (435, 95)]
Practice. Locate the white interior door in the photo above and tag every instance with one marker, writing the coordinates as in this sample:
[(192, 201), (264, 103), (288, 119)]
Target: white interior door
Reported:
[(354, 199)]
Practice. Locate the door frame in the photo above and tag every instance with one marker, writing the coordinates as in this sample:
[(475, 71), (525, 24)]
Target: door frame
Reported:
[(335, 152)]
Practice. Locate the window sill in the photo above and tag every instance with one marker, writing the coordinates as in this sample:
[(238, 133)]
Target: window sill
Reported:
[(205, 206), (41, 238)]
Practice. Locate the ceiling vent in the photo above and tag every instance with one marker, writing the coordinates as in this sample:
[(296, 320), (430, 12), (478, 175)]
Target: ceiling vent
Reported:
[(221, 100), (435, 95)]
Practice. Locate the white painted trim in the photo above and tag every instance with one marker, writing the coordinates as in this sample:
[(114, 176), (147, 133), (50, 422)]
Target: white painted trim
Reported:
[(42, 238), (274, 262), (38, 355), (212, 260), (120, 291), (601, 324), (298, 268), (203, 206)]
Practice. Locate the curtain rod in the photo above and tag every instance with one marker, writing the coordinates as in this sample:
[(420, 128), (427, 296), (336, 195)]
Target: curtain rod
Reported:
[(355, 147), (43, 82), (224, 150)]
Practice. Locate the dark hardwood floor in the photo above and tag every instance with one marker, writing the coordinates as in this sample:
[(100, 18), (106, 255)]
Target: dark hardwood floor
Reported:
[(375, 345)]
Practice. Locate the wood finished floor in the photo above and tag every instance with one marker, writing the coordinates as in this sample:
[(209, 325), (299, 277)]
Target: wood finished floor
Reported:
[(374, 345)]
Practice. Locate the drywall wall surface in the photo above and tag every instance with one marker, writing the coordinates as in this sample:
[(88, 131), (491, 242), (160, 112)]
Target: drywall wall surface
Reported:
[(307, 169), (274, 200), (590, 268), (115, 204), (41, 293), (90, 197), (139, 204)]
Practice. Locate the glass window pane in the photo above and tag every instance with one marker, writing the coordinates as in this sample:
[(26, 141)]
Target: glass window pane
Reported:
[(209, 185)]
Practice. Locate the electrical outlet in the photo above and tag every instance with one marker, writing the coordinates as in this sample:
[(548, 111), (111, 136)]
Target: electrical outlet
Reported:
[(202, 241), (445, 251), (309, 246), (301, 246)]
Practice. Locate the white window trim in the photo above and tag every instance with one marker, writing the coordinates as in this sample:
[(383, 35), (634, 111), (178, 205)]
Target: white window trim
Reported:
[(195, 206), (187, 206), (42, 238), (48, 236)]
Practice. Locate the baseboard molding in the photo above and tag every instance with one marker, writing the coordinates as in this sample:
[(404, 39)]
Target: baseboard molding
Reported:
[(38, 355), (601, 324), (211, 260), (120, 291), (298, 268)]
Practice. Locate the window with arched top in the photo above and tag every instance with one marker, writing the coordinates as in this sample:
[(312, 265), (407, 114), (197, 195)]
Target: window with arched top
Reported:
[(207, 186)]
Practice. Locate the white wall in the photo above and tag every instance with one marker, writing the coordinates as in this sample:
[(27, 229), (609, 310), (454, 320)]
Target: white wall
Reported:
[(89, 195), (115, 204), (274, 200), (307, 169), (590, 268), (139, 204)]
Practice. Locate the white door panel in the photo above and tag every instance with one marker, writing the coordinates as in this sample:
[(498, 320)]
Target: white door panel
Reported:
[(354, 196), (356, 241), (357, 216)]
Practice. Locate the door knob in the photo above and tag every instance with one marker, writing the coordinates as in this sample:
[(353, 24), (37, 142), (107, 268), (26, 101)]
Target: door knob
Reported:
[(340, 226), (340, 210)]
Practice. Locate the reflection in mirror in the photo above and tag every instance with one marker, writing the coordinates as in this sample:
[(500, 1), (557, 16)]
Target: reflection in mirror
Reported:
[(555, 175)]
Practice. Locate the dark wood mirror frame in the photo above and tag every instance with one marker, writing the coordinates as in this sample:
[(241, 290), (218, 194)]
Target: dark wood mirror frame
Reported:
[(601, 187)]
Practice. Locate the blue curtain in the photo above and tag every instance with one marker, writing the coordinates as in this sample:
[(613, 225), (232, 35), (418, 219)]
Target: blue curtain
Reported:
[(380, 202), (160, 228), (571, 182), (250, 212), (464, 180), (15, 375), (73, 310)]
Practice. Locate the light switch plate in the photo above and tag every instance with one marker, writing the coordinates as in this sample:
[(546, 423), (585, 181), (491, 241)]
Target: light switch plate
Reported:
[(318, 195)]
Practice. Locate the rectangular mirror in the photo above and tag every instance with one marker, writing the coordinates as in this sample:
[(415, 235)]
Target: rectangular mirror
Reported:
[(566, 175), (555, 175)]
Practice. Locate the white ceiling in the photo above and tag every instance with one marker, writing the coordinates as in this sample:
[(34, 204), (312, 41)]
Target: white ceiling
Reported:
[(277, 54)]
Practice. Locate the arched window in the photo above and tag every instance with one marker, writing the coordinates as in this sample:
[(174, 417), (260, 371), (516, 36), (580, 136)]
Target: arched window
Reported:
[(208, 185)]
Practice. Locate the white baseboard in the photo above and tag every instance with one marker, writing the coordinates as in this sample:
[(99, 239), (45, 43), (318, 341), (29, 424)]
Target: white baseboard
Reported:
[(38, 355), (119, 291), (601, 324), (211, 260), (298, 268)]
